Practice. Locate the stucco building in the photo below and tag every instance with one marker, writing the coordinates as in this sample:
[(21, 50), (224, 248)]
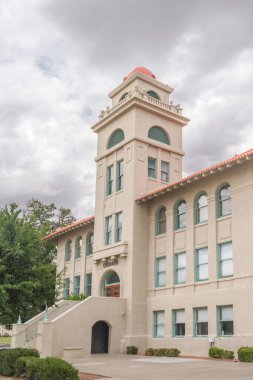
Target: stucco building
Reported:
[(166, 261)]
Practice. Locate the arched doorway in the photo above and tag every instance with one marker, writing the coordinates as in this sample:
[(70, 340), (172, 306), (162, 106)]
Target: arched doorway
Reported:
[(100, 338), (111, 285)]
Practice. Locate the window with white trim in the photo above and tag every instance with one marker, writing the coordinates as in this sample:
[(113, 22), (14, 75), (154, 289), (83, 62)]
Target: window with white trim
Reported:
[(159, 327), (225, 260), (160, 272)]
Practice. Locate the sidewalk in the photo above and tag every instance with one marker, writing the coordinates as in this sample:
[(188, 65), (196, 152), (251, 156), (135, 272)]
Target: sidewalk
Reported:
[(132, 367)]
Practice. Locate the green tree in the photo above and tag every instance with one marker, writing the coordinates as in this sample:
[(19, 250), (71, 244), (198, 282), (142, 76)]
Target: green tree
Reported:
[(47, 217), (27, 266)]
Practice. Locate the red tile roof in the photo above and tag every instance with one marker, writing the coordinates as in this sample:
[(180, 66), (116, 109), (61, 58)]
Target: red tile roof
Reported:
[(141, 70), (70, 227), (237, 159)]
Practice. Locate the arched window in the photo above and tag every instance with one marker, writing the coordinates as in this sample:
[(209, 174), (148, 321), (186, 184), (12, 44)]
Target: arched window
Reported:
[(158, 134), (153, 94), (78, 247), (68, 251), (180, 216), (123, 96), (111, 285), (89, 244), (224, 200), (115, 138), (201, 209), (161, 221)]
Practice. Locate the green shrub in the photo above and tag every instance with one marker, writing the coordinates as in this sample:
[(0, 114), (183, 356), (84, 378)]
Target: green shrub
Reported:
[(149, 352), (245, 354), (215, 352), (168, 352), (132, 350), (160, 352), (228, 354), (220, 353), (9, 357), (45, 369), (25, 362), (77, 297), (172, 352)]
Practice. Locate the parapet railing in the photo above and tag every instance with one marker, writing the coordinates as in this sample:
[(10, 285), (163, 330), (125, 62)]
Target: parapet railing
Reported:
[(141, 94)]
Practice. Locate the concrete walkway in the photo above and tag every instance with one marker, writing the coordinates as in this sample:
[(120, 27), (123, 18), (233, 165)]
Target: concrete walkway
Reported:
[(132, 367)]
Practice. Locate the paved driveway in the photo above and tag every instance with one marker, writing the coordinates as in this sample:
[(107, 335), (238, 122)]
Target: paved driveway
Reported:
[(128, 367)]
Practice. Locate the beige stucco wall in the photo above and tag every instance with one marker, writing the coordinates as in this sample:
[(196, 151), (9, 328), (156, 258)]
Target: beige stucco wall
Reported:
[(235, 290), (79, 266), (73, 328)]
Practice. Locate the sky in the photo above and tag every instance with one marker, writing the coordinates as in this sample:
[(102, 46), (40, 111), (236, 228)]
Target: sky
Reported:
[(60, 58)]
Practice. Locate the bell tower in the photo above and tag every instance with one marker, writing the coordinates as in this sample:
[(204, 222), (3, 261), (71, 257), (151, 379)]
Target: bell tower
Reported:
[(139, 150)]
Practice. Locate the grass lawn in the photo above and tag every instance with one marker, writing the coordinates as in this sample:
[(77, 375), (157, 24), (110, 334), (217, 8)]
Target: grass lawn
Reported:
[(5, 339)]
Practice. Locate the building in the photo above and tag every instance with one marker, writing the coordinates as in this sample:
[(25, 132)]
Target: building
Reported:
[(167, 261)]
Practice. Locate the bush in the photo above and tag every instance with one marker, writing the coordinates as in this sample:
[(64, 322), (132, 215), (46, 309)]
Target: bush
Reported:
[(172, 352), (9, 357), (228, 354), (77, 297), (160, 352), (45, 369), (215, 352), (168, 352), (149, 352), (245, 354), (220, 353), (23, 363), (132, 350)]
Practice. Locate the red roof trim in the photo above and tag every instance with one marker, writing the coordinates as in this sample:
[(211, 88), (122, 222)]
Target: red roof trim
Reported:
[(70, 227), (206, 171)]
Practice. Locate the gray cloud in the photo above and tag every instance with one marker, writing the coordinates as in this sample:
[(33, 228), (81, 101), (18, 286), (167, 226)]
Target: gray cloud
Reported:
[(59, 59)]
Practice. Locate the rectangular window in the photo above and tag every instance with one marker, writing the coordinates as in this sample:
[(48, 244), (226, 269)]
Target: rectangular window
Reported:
[(200, 321), (225, 320), (160, 272), (109, 180), (118, 227), (225, 260), (179, 322), (158, 324), (108, 230), (180, 268), (165, 171), (88, 283), (77, 285), (151, 167), (202, 264), (66, 288), (120, 176)]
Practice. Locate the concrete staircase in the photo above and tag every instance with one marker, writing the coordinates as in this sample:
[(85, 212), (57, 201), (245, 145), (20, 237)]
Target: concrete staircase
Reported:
[(25, 334)]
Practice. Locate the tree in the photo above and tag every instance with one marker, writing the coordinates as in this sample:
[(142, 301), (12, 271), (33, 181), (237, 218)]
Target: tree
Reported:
[(27, 261), (47, 217), (63, 217)]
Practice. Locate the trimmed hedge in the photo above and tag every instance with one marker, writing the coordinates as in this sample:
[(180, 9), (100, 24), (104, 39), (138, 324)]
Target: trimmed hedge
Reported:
[(45, 369), (245, 354), (9, 357), (160, 352), (132, 350), (172, 352), (220, 353), (227, 354), (150, 352), (168, 352)]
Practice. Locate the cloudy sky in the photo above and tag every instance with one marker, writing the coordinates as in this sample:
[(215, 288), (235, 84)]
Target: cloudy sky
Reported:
[(60, 58)]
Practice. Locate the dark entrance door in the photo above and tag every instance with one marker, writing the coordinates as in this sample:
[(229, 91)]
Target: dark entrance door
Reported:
[(100, 337)]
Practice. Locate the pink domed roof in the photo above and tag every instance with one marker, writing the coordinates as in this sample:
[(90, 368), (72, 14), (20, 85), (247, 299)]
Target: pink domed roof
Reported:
[(141, 70)]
